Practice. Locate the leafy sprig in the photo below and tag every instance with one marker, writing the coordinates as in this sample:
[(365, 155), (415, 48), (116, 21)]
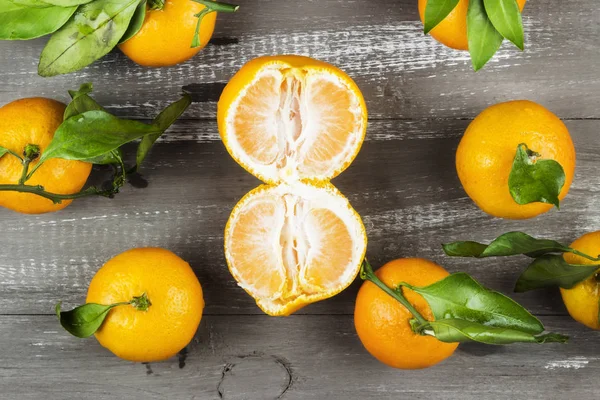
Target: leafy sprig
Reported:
[(489, 22), (492, 319), (83, 31), (91, 134), (548, 269), (83, 321)]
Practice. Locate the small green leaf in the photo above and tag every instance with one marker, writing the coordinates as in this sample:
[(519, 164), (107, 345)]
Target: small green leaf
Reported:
[(506, 18), (81, 102), (93, 31), (552, 270), (163, 121), (3, 151), (84, 88), (21, 22), (508, 244), (535, 180), (459, 330), (92, 134), (85, 320), (436, 11), (484, 40), (113, 157), (459, 296), (136, 22)]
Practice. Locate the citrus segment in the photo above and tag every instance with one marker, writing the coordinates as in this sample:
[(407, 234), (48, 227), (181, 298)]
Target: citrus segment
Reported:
[(294, 244), (290, 117)]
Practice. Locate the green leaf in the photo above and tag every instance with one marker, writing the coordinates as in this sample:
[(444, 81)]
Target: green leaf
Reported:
[(92, 134), (20, 22), (532, 180), (67, 3), (508, 244), (136, 22), (506, 18), (436, 11), (552, 270), (85, 320), (84, 88), (81, 102), (163, 121), (113, 157), (458, 330), (93, 31), (3, 151), (484, 40), (30, 3), (459, 296)]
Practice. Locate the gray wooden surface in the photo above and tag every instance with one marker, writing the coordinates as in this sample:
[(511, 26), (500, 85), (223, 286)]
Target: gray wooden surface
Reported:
[(420, 97)]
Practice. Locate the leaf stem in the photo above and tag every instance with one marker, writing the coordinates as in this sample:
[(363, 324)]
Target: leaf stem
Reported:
[(580, 254), (218, 6), (367, 274), (211, 6), (55, 197)]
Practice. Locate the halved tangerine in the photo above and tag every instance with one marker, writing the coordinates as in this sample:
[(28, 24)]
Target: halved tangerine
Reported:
[(293, 244), (287, 118)]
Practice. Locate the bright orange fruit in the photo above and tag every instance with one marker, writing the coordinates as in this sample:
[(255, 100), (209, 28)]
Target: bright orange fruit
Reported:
[(34, 121), (171, 320), (166, 35), (382, 323), (582, 301), (486, 152), (452, 31)]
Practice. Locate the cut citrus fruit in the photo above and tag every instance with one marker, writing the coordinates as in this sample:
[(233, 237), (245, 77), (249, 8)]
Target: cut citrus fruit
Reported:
[(287, 118), (294, 244)]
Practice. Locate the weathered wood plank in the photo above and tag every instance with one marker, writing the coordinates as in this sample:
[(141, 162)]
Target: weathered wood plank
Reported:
[(402, 73), (307, 357), (403, 183)]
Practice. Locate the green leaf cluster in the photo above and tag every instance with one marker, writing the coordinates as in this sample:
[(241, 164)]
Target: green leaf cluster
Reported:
[(465, 311), (548, 269), (83, 31), (91, 134), (489, 22)]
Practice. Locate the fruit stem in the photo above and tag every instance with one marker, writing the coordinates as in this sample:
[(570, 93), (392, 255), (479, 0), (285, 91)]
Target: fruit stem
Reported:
[(367, 274), (141, 303), (211, 6), (31, 152), (55, 197)]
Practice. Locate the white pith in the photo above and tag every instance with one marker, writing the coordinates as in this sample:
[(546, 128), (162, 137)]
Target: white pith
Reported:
[(294, 242), (294, 121)]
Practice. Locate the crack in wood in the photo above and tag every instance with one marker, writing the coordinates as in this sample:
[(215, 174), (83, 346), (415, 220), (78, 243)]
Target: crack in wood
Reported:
[(247, 369)]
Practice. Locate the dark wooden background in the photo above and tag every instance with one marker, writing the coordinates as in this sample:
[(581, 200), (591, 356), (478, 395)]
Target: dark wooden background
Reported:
[(421, 97)]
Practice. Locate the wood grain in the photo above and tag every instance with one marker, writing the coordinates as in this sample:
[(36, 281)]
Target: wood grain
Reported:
[(303, 357), (402, 73), (421, 97), (403, 183)]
